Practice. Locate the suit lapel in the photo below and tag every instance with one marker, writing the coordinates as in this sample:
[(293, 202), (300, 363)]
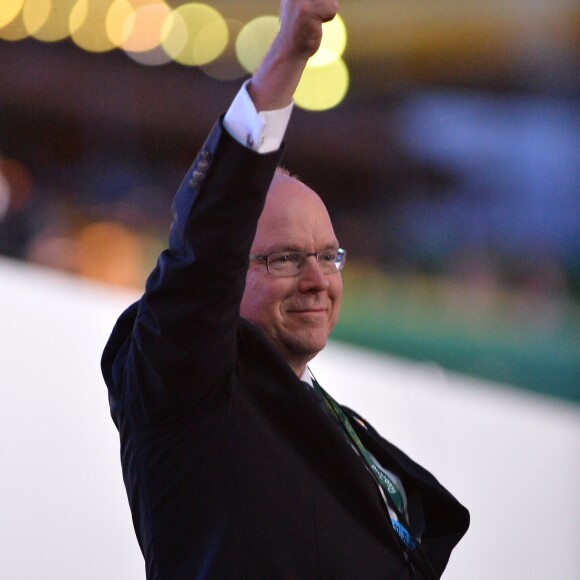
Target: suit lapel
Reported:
[(390, 456), (432, 508), (295, 407), (296, 413)]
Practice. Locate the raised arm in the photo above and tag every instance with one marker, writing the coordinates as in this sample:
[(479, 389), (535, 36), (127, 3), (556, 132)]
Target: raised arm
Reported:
[(277, 77), (176, 347)]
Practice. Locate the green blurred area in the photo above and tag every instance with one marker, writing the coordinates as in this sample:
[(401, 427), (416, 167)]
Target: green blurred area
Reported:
[(523, 340)]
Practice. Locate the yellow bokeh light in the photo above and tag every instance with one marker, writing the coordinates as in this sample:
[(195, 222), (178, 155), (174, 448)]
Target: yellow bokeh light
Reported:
[(254, 40), (333, 43), (183, 28), (9, 10), (87, 25), (78, 15), (227, 67), (322, 87), (174, 35), (117, 17), (14, 30), (142, 30), (204, 47), (35, 13), (56, 25)]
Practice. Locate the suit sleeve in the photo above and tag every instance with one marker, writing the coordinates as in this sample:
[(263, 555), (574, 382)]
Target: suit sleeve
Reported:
[(176, 347)]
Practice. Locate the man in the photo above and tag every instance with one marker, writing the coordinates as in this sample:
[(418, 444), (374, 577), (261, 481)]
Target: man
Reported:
[(237, 464)]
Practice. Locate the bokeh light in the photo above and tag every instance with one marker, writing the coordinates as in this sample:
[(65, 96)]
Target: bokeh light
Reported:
[(35, 13), (322, 87), (55, 26), (211, 42), (332, 45), (254, 40), (154, 57), (9, 10), (118, 15), (141, 32), (227, 67), (14, 28), (182, 29), (110, 252), (88, 25), (153, 33), (142, 27)]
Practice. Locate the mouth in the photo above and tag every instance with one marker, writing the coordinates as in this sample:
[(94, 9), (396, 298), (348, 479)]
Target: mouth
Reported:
[(313, 311)]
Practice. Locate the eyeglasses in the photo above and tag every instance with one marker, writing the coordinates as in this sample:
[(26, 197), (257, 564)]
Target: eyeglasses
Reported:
[(287, 264)]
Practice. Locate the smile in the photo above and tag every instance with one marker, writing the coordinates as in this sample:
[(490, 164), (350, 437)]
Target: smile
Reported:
[(307, 311)]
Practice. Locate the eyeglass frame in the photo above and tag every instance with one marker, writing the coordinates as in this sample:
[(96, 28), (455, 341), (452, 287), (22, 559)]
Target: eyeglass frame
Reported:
[(339, 261)]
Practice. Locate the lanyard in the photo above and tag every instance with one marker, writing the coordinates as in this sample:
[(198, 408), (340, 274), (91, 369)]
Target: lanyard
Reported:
[(392, 492)]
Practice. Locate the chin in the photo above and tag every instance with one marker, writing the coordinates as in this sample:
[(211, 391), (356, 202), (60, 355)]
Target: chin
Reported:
[(308, 347)]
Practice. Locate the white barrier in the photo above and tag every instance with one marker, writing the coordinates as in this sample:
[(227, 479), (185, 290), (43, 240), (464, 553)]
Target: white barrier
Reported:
[(511, 458)]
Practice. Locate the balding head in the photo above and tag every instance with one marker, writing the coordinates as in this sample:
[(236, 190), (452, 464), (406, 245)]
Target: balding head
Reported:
[(293, 212), (296, 313)]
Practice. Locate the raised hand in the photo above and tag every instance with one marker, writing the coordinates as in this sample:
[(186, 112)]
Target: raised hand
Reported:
[(298, 39), (301, 25)]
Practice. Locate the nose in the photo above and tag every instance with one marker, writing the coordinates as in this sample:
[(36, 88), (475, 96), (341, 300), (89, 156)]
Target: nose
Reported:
[(311, 277)]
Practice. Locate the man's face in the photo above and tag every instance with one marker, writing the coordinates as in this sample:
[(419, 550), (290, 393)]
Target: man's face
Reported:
[(296, 313)]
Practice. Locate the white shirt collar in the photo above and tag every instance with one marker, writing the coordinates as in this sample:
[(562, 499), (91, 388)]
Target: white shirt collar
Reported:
[(307, 377)]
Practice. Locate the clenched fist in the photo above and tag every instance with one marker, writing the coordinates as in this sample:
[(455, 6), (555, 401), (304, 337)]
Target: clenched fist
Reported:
[(301, 24), (298, 39)]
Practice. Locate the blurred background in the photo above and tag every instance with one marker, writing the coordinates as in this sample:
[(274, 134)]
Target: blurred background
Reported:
[(444, 136)]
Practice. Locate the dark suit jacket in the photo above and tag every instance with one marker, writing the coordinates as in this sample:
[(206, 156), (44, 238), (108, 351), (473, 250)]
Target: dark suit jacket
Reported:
[(233, 466)]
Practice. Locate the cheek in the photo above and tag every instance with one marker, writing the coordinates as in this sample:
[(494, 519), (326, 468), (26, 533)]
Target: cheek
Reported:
[(260, 301), (335, 289), (336, 296)]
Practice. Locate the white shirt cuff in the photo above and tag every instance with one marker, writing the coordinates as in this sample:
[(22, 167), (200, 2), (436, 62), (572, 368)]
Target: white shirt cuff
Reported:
[(262, 131)]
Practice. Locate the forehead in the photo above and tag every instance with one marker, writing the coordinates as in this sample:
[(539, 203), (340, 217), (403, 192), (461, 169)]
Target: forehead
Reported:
[(294, 217)]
